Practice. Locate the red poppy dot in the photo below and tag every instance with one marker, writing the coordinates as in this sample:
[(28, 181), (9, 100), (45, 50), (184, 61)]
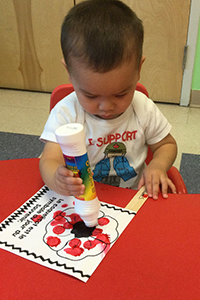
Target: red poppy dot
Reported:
[(77, 251), (57, 222), (53, 241), (37, 218), (75, 243), (97, 231), (59, 214), (74, 218), (65, 205), (67, 225), (103, 221), (90, 244), (58, 229)]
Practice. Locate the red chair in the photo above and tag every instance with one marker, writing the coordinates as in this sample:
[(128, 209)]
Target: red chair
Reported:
[(63, 90), (59, 93)]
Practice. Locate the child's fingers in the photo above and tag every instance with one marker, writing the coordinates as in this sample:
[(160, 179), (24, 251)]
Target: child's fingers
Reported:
[(164, 188), (168, 184), (171, 186), (69, 190), (141, 182), (155, 187), (153, 183), (157, 181), (62, 170), (145, 180), (67, 184)]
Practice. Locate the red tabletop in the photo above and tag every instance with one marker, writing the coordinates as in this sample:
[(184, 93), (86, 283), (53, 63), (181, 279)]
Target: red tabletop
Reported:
[(156, 257)]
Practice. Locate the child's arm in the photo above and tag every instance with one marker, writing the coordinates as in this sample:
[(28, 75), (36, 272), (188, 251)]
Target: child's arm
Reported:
[(54, 173), (155, 174)]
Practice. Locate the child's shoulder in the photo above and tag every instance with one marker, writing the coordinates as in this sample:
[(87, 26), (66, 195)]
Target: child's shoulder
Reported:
[(141, 103), (145, 110), (69, 109), (68, 101)]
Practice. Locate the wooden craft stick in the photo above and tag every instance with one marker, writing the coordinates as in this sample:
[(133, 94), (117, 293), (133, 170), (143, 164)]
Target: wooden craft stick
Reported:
[(138, 200)]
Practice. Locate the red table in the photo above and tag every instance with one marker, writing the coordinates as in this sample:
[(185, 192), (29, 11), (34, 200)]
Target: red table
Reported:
[(156, 257)]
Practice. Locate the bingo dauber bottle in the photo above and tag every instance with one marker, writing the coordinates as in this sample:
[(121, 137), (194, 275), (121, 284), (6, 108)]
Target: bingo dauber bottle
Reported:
[(71, 138)]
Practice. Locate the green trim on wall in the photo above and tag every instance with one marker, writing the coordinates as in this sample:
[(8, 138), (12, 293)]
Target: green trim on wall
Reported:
[(196, 71)]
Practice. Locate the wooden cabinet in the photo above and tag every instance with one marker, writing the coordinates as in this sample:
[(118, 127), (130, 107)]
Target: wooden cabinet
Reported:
[(30, 50), (30, 53)]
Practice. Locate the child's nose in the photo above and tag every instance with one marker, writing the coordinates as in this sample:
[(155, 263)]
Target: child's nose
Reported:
[(106, 105)]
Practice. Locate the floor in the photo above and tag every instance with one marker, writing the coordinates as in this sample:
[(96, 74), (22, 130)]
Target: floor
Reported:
[(26, 112)]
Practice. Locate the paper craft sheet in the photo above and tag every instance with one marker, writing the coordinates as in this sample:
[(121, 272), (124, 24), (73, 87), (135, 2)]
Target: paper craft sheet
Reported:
[(47, 230)]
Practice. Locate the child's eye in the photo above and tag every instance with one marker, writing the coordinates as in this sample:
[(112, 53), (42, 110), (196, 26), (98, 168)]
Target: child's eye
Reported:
[(121, 95), (91, 96)]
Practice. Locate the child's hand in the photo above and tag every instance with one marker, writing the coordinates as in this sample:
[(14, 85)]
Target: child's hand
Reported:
[(155, 178), (66, 184)]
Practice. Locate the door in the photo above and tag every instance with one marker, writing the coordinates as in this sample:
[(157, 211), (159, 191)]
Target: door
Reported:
[(165, 25)]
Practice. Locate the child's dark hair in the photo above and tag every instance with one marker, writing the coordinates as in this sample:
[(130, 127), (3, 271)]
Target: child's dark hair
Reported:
[(101, 34)]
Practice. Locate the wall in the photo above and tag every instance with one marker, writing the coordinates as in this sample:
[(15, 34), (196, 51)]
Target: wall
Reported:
[(195, 89), (196, 72)]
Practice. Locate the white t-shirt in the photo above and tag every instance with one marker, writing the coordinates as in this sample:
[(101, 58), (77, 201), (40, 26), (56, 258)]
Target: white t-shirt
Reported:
[(116, 148)]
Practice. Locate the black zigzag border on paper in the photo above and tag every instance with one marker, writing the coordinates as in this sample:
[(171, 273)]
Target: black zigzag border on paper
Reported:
[(20, 250), (23, 208), (123, 210), (21, 211)]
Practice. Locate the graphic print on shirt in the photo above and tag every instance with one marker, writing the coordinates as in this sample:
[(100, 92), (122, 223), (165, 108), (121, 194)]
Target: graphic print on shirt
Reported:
[(114, 157)]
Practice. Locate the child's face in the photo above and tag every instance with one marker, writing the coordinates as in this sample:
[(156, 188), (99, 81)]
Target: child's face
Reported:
[(105, 95)]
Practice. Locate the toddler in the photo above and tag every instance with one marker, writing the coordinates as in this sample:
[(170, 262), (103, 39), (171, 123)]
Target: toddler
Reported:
[(102, 43)]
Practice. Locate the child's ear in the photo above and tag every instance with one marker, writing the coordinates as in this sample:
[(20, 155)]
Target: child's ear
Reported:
[(141, 63), (64, 64)]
